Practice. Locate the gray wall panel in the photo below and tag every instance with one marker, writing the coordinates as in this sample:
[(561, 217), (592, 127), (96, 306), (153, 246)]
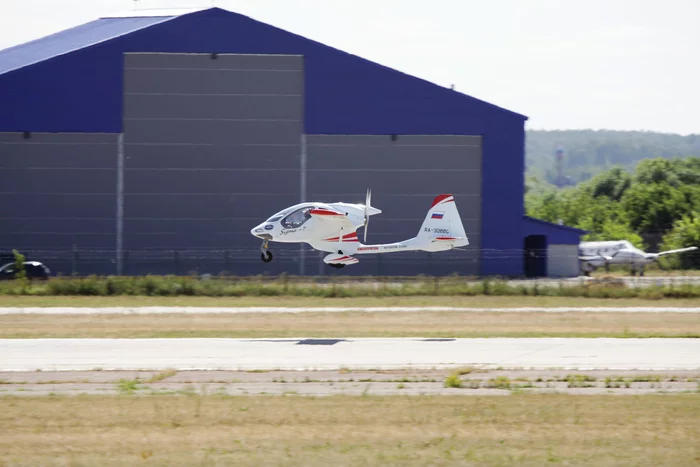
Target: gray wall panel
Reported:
[(405, 173), (168, 132), (235, 182), (55, 181), (272, 107), (88, 205), (218, 82), (58, 156), (366, 141), (406, 181), (386, 157), (229, 160), (254, 207), (58, 139), (57, 191), (32, 243), (207, 156), (270, 62)]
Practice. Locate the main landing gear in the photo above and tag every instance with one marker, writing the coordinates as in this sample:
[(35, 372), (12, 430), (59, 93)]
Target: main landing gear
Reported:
[(265, 255), (337, 265)]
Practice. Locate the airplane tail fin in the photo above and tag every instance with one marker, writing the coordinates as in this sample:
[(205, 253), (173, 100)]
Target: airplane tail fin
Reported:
[(442, 228)]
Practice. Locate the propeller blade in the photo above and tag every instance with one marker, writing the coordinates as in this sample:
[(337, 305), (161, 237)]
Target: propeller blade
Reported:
[(368, 200)]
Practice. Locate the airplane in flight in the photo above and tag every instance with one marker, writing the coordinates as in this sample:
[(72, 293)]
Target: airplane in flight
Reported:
[(593, 255), (332, 228)]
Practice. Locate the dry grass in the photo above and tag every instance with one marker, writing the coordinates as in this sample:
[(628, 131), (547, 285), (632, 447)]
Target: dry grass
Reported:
[(355, 324), (214, 430), (457, 301)]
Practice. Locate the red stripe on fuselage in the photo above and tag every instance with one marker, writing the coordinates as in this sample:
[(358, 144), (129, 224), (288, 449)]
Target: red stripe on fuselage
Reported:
[(324, 212), (346, 238)]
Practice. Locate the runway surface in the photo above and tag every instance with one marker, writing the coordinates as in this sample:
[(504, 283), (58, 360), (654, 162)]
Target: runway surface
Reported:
[(365, 353), (235, 310)]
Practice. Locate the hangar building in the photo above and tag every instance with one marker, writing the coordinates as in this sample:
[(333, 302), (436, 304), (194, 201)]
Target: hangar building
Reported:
[(151, 142)]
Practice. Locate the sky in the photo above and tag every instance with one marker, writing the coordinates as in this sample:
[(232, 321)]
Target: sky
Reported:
[(594, 64)]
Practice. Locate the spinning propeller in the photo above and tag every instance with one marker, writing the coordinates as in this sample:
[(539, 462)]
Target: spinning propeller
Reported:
[(368, 200)]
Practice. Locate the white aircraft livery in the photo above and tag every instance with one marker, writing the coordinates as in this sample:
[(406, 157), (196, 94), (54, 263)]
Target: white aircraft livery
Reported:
[(332, 227), (593, 255)]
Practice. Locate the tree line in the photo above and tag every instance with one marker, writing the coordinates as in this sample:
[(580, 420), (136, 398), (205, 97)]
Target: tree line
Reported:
[(657, 206), (590, 152)]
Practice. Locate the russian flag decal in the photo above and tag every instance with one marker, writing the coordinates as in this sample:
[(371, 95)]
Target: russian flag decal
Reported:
[(437, 215)]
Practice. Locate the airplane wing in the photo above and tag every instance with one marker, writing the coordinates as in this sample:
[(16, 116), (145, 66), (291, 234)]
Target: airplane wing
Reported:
[(333, 217), (680, 250)]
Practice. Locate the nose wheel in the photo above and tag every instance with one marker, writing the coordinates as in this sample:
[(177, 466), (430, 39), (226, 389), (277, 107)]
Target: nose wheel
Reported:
[(265, 254)]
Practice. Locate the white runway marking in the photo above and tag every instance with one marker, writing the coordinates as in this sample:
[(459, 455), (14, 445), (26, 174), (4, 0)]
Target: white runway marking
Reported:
[(326, 354), (234, 310)]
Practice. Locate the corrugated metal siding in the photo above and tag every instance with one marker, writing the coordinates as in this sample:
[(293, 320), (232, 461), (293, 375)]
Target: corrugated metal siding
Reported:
[(206, 159), (58, 192), (405, 175), (344, 95)]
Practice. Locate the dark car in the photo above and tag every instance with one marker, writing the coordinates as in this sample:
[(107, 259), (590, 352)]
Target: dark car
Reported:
[(34, 269)]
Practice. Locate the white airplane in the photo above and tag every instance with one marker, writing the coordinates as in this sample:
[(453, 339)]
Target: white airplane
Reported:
[(593, 255), (331, 227)]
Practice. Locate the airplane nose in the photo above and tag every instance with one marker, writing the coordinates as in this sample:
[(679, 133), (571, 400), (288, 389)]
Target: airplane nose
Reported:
[(260, 232)]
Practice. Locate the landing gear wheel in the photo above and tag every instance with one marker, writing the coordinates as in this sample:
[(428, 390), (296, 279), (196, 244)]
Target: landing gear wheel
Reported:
[(266, 256), (337, 266)]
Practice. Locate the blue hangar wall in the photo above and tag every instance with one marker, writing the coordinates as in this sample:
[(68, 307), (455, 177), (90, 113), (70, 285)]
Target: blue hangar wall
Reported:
[(344, 94)]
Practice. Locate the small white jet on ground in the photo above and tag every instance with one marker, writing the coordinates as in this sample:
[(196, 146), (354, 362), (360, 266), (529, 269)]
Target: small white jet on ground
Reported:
[(593, 255), (331, 227)]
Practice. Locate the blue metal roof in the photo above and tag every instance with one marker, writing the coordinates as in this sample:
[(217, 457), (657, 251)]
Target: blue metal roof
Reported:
[(555, 233), (72, 39)]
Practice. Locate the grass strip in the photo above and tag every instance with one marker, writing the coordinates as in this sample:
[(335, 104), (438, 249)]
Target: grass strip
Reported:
[(354, 324), (333, 287), (293, 430)]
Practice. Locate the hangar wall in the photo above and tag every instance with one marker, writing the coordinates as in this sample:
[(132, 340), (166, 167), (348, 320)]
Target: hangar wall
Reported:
[(212, 146), (343, 94), (58, 192), (405, 173)]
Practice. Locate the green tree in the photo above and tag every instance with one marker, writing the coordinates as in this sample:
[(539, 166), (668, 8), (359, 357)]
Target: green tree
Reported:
[(654, 207), (685, 233), (611, 184)]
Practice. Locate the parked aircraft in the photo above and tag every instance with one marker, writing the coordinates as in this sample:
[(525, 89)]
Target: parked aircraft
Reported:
[(331, 227), (593, 255)]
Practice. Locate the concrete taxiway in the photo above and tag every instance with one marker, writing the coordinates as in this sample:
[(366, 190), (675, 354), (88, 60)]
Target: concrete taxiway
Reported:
[(474, 382), (361, 353)]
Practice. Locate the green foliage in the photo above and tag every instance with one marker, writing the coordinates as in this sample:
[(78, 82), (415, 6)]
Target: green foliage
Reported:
[(453, 381), (685, 233), (255, 287), (616, 205), (653, 207), (20, 271)]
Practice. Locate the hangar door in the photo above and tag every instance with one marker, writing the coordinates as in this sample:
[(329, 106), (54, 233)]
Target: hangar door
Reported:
[(57, 199), (405, 173), (211, 148)]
